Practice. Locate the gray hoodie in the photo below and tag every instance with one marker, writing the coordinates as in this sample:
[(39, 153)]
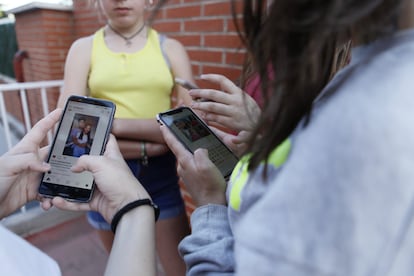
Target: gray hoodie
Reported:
[(342, 200)]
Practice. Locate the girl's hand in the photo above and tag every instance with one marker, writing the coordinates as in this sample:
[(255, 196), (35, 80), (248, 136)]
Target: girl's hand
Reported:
[(203, 180), (21, 167), (115, 184)]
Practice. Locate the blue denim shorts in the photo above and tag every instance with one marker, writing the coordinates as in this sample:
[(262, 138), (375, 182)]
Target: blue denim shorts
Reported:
[(160, 179)]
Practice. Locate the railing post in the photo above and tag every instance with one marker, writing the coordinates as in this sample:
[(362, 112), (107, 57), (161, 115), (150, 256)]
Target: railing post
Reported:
[(5, 121), (25, 108)]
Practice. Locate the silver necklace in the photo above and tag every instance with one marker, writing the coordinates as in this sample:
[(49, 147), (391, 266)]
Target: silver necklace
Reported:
[(127, 39)]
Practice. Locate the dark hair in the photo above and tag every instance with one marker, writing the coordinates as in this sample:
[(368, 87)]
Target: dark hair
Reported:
[(292, 44)]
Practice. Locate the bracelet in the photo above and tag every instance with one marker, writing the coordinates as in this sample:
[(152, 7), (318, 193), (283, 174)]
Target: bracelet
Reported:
[(129, 207), (144, 156)]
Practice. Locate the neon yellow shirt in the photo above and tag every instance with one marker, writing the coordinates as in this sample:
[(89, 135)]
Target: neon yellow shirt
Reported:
[(140, 83)]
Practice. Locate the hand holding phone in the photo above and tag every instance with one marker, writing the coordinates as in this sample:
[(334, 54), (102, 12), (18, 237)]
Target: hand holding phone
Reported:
[(83, 129), (193, 133)]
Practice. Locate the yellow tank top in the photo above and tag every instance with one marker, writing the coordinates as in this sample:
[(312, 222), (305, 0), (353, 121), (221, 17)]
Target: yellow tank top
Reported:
[(140, 83)]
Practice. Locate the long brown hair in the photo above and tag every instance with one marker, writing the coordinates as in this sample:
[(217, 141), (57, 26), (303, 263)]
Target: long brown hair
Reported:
[(297, 41)]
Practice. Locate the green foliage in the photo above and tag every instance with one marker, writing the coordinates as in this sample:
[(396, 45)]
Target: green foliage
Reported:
[(8, 46)]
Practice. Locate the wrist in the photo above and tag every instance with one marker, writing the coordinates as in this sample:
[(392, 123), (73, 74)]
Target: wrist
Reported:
[(132, 206), (205, 199)]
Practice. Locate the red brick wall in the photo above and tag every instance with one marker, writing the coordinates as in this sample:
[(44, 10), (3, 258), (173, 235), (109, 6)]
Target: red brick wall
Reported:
[(86, 17), (46, 36), (207, 31)]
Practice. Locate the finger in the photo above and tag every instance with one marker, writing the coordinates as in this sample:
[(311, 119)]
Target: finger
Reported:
[(43, 152), (210, 95), (90, 163), (220, 133), (112, 149), (46, 203), (176, 147), (216, 107), (223, 120), (225, 84), (41, 128), (203, 162), (27, 161), (63, 204)]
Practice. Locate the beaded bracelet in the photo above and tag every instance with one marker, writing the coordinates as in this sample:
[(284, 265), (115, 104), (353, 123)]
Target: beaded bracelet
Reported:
[(144, 156), (129, 207)]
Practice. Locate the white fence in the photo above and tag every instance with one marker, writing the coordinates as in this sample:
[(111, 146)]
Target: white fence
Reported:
[(42, 88)]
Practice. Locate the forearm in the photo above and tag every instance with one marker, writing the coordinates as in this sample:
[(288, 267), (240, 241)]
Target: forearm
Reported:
[(209, 248), (133, 250), (137, 129), (132, 149)]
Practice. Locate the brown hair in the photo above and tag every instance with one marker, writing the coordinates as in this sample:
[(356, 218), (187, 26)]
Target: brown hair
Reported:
[(297, 42)]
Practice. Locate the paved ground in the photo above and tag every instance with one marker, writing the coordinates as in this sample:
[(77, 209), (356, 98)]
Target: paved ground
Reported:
[(75, 246)]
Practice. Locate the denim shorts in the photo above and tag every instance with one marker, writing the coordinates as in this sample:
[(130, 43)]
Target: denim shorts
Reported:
[(160, 179)]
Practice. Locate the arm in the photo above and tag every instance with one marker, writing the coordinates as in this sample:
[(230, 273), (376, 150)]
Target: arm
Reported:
[(137, 129), (133, 250), (77, 67), (132, 149), (181, 68), (209, 248)]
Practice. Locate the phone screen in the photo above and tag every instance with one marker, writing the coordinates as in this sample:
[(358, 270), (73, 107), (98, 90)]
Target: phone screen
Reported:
[(83, 129), (194, 133)]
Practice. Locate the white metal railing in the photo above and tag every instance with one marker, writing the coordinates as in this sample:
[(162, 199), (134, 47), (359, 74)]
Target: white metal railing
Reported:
[(40, 87)]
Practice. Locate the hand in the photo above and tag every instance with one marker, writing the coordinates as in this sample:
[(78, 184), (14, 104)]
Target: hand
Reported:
[(237, 143), (203, 180), (116, 186), (230, 108), (21, 167)]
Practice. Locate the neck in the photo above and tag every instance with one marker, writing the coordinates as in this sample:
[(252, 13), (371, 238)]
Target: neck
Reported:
[(128, 38)]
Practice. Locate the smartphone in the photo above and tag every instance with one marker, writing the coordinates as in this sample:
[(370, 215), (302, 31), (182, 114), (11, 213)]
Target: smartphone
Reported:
[(186, 84), (83, 129), (194, 133)]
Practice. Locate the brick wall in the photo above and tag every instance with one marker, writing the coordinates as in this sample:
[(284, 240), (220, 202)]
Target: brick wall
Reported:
[(46, 35), (207, 30)]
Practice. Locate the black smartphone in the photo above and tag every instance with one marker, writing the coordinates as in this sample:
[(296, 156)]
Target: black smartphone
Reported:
[(83, 129), (194, 133), (186, 84)]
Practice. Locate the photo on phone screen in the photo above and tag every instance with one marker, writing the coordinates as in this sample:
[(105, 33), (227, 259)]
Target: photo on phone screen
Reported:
[(83, 129), (193, 133)]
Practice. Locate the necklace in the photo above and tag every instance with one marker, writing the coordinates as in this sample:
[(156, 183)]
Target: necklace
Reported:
[(127, 39)]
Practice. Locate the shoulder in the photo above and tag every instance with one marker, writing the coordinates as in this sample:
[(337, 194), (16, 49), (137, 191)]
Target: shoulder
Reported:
[(175, 51), (172, 45), (82, 43)]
